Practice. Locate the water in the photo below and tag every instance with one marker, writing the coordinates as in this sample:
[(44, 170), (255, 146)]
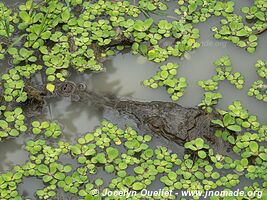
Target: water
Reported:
[(123, 77), (12, 153)]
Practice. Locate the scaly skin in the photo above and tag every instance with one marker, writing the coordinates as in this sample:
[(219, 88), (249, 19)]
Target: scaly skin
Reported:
[(167, 119)]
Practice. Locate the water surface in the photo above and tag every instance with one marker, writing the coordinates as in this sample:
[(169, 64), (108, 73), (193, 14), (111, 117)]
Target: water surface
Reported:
[(123, 77)]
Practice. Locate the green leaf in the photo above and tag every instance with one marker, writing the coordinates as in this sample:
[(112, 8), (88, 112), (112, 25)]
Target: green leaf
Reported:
[(24, 52), (12, 51), (67, 169), (138, 186), (43, 169), (199, 142), (208, 168), (25, 16), (263, 156), (199, 175), (202, 154), (139, 170), (218, 122), (164, 74), (143, 49), (101, 158), (99, 182), (109, 168), (228, 119), (65, 15), (260, 16), (46, 35), (47, 178), (76, 150), (129, 180), (112, 153), (50, 87), (242, 33), (60, 176), (14, 132), (254, 147), (235, 128), (192, 7), (252, 38)]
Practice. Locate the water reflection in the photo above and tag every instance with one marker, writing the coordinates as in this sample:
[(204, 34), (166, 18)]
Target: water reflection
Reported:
[(29, 186), (76, 118), (12, 153)]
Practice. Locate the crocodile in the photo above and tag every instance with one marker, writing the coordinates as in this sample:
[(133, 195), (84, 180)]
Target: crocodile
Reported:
[(167, 119)]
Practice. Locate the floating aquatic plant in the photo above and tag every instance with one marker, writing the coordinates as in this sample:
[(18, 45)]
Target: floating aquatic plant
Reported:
[(152, 5), (233, 29), (258, 89), (200, 11), (208, 85), (228, 122), (12, 122), (166, 77), (7, 21), (224, 71), (49, 129), (210, 99), (14, 86), (261, 68), (200, 173), (59, 35), (257, 14)]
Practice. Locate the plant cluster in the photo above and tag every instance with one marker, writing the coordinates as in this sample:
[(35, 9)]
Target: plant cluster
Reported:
[(166, 77), (246, 143), (259, 90), (234, 29), (135, 168), (22, 55), (13, 87), (261, 67), (208, 85), (49, 129), (257, 15), (14, 82), (224, 71), (12, 122), (199, 11), (151, 6), (67, 38), (209, 101), (7, 19)]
